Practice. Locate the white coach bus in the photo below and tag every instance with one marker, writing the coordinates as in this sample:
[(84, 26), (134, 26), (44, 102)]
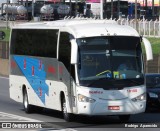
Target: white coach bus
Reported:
[(78, 67)]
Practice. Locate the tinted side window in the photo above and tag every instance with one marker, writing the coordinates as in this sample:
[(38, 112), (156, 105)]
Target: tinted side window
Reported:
[(34, 42), (65, 50)]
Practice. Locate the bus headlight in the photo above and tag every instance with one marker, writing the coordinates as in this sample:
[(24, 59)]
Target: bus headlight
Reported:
[(140, 97), (83, 98)]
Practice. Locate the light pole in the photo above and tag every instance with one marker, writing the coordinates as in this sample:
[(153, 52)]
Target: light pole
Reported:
[(152, 8), (70, 4), (118, 9), (159, 16), (7, 15), (146, 4), (159, 10), (111, 9), (32, 9), (27, 8), (136, 13), (101, 14)]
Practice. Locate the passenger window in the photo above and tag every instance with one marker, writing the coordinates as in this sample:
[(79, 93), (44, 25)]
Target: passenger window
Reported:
[(65, 49), (34, 42)]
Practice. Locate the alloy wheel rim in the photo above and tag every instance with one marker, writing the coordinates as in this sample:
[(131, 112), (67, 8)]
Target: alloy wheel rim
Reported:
[(25, 102), (64, 109)]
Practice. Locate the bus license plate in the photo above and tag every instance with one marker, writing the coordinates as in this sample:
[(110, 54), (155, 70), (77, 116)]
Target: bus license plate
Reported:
[(113, 108)]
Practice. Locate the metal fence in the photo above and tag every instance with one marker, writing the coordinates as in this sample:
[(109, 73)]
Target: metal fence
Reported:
[(152, 66), (4, 50), (144, 27)]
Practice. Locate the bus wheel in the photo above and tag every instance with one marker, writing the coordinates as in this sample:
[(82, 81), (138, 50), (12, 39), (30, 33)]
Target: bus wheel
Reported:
[(124, 118), (27, 107), (67, 116)]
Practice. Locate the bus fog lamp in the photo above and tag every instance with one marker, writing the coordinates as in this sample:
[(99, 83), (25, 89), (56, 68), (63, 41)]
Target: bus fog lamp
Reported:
[(140, 97), (83, 98)]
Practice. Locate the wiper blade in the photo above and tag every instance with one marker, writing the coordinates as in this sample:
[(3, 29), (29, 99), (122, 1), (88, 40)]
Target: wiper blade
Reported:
[(134, 81), (97, 80), (104, 78)]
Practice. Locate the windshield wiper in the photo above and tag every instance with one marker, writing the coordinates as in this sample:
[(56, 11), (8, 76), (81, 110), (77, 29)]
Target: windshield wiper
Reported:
[(97, 80), (134, 81)]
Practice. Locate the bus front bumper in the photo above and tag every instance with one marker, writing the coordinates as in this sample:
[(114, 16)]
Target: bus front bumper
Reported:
[(111, 107)]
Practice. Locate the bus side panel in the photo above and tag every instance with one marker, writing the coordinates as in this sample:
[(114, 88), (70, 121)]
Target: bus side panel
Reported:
[(53, 101), (35, 70), (16, 81), (68, 86), (16, 90), (44, 82), (63, 84)]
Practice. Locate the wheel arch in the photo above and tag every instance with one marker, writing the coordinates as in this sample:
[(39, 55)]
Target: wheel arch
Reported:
[(23, 89), (62, 96)]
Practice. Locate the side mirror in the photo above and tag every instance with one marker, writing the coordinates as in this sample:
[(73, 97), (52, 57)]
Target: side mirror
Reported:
[(74, 50), (2, 35), (148, 49)]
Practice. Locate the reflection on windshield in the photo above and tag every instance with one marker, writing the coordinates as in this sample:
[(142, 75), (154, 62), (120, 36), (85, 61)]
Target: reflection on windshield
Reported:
[(106, 58), (91, 64)]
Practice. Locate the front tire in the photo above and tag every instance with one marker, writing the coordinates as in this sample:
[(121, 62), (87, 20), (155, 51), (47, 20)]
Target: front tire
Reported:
[(67, 116), (124, 118), (27, 107)]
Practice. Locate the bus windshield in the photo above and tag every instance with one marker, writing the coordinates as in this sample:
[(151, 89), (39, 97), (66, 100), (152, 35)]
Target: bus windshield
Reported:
[(110, 61)]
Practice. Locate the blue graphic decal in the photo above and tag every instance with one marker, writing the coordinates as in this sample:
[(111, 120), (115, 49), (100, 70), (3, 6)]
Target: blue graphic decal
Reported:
[(108, 75), (33, 70)]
